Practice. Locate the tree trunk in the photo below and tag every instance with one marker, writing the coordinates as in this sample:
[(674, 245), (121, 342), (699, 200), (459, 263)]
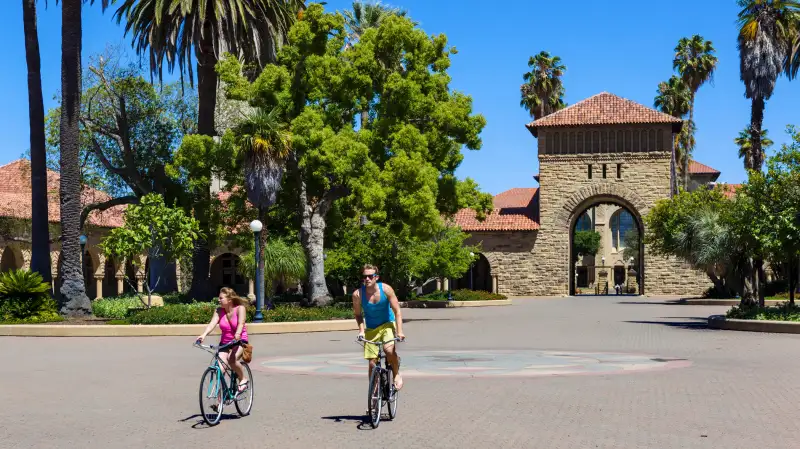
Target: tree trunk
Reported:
[(312, 237), (760, 281), (749, 295), (790, 271), (73, 300), (756, 119), (207, 100), (40, 233), (364, 118), (687, 148)]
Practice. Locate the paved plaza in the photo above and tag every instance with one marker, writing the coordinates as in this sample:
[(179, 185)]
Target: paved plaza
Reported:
[(587, 372)]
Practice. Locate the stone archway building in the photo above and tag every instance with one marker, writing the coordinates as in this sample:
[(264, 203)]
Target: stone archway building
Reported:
[(604, 149)]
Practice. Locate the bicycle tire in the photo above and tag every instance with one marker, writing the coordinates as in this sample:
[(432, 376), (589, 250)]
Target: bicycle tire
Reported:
[(244, 411), (214, 388), (375, 398), (391, 398)]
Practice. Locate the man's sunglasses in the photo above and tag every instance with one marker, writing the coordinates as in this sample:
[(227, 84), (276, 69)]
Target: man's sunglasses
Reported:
[(370, 276)]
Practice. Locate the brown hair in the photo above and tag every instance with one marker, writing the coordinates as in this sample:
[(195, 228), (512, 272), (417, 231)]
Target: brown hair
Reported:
[(231, 294), (370, 267)]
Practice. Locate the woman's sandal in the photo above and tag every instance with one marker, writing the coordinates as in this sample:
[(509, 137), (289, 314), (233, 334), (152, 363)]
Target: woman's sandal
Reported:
[(243, 386)]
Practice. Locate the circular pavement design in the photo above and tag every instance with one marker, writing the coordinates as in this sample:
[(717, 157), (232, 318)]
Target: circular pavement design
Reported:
[(477, 363)]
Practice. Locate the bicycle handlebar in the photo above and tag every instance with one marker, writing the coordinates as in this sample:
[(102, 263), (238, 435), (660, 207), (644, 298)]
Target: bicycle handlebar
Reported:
[(360, 338), (218, 348)]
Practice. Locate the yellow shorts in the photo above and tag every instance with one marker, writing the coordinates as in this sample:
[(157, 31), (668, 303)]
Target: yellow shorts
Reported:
[(381, 333)]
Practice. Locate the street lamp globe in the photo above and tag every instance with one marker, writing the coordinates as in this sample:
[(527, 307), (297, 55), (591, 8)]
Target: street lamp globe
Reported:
[(256, 226), (83, 239)]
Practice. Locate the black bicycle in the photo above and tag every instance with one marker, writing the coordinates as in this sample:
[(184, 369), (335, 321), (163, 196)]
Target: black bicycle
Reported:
[(216, 393), (381, 385)]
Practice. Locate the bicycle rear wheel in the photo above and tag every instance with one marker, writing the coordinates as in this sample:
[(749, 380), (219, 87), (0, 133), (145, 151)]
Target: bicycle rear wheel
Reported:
[(244, 401), (375, 398), (211, 397)]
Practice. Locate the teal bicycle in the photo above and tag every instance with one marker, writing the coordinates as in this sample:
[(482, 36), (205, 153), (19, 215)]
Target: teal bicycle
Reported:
[(216, 392)]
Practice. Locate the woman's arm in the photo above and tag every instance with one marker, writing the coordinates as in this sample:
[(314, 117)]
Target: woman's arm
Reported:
[(211, 326), (240, 322)]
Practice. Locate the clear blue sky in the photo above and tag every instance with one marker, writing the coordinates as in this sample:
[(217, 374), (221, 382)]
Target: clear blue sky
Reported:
[(624, 47)]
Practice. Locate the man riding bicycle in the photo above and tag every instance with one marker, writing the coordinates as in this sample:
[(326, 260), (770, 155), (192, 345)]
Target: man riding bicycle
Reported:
[(375, 307)]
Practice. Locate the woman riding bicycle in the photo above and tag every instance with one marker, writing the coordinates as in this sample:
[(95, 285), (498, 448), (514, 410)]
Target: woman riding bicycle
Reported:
[(231, 316)]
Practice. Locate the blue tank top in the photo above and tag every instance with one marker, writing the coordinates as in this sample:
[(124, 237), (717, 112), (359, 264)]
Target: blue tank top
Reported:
[(378, 313)]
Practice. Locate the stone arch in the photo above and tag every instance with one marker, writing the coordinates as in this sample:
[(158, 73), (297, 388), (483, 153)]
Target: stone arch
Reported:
[(574, 207), (480, 277), (225, 273), (11, 259)]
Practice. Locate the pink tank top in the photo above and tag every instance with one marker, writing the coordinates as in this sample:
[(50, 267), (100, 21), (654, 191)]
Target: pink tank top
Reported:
[(228, 328)]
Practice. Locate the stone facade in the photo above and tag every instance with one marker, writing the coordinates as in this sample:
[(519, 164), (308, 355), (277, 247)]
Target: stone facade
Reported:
[(582, 166)]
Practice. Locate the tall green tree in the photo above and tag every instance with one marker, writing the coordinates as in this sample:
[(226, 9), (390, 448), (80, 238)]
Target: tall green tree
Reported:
[(696, 62), (745, 143), (73, 299), (765, 32), (40, 237), (172, 29), (674, 98), (543, 91), (400, 171)]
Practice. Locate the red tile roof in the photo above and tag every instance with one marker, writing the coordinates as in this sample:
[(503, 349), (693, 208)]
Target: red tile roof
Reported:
[(729, 190), (604, 109), (696, 168), (514, 210), (15, 197)]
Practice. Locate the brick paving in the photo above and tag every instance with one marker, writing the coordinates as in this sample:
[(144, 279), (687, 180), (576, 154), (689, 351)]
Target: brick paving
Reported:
[(740, 390)]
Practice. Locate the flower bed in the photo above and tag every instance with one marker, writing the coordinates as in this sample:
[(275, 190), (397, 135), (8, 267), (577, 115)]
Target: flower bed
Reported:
[(462, 295), (780, 312)]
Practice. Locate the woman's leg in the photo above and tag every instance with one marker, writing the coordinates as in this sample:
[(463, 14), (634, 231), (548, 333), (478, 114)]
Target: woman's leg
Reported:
[(233, 362)]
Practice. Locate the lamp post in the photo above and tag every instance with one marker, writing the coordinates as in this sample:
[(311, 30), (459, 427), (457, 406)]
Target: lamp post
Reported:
[(471, 254), (256, 227), (83, 240)]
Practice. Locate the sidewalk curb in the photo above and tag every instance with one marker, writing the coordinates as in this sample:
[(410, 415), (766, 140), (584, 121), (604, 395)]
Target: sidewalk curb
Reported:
[(168, 330), (450, 304), (778, 327)]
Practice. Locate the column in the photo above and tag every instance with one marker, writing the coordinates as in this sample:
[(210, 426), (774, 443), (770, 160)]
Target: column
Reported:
[(438, 284), (99, 283), (120, 284), (140, 283), (251, 289), (446, 284), (494, 283)]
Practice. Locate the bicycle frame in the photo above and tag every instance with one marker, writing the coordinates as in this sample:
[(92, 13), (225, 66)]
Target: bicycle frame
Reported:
[(228, 393)]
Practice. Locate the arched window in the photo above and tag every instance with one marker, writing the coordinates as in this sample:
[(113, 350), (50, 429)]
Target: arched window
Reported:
[(584, 223), (621, 223)]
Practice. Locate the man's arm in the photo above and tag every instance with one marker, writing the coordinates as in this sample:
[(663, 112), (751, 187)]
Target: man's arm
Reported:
[(395, 304), (357, 311)]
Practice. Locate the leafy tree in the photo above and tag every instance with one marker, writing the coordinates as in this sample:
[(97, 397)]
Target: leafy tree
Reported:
[(367, 15), (543, 91), (405, 261), (283, 262), (585, 243), (152, 228), (172, 29), (745, 144), (696, 62), (632, 244), (40, 238), (399, 169)]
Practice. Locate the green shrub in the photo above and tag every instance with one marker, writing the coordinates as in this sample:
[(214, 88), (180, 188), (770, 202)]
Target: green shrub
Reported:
[(42, 317), (200, 313), (781, 312), (23, 295), (115, 307), (463, 295)]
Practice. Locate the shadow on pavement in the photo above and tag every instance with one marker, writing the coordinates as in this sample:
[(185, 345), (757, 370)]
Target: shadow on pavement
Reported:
[(411, 320), (200, 424), (660, 303), (363, 421), (697, 324)]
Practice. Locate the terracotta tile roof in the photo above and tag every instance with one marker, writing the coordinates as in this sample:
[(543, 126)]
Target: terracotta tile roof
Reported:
[(696, 168), (514, 210), (729, 190), (15, 197), (603, 109)]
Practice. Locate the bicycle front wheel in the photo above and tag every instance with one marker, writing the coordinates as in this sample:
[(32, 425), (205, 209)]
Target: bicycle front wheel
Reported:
[(244, 401), (211, 397), (375, 398)]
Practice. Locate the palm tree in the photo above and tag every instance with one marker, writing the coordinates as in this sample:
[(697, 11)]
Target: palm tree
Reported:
[(792, 62), (73, 300), (765, 32), (695, 61), (40, 235), (265, 144), (674, 98), (364, 16), (172, 29), (283, 262), (543, 92), (745, 144)]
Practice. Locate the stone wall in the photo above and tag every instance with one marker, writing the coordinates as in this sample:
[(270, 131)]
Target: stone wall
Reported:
[(537, 263)]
